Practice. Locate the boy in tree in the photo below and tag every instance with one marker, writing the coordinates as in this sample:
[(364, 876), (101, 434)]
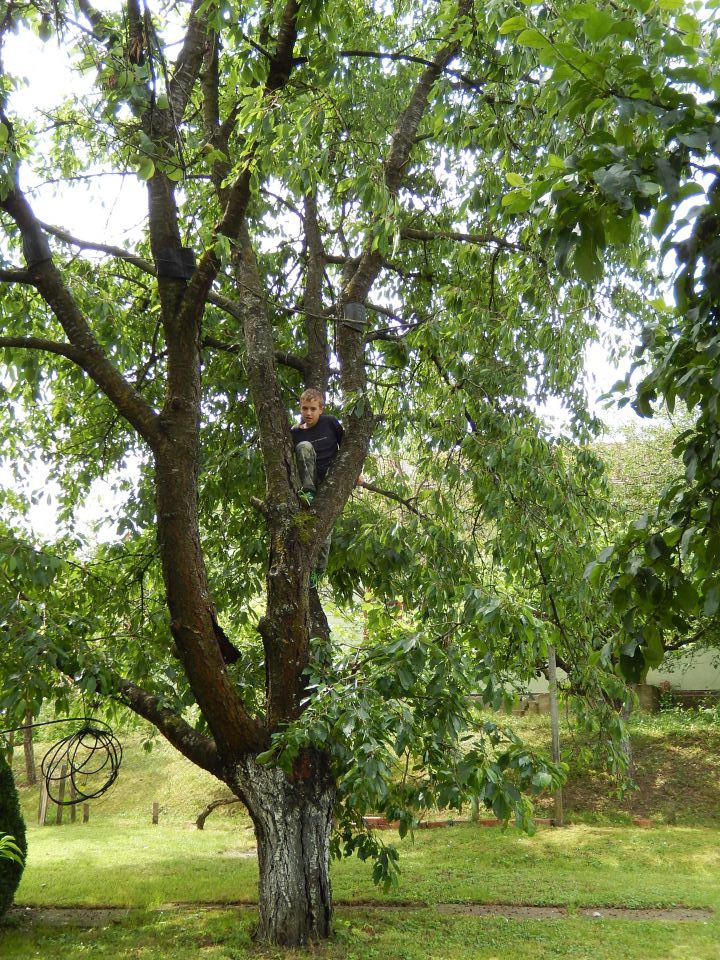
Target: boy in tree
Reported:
[(317, 439)]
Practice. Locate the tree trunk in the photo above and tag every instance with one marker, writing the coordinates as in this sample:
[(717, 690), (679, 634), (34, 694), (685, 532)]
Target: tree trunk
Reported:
[(30, 771), (293, 820)]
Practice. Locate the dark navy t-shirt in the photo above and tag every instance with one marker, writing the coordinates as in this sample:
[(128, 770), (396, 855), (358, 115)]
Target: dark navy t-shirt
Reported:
[(326, 437)]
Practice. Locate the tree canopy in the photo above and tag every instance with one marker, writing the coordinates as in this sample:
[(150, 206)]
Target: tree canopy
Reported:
[(425, 210)]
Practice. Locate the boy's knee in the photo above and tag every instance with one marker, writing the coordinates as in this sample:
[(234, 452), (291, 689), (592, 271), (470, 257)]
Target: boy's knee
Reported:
[(304, 449)]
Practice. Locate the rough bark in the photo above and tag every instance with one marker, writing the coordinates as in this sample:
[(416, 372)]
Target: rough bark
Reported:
[(292, 816), (188, 593), (317, 372)]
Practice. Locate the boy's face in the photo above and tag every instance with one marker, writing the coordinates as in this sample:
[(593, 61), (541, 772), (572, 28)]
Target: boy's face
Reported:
[(310, 411)]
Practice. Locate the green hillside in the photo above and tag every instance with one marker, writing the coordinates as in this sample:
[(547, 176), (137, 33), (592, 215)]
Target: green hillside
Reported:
[(677, 773)]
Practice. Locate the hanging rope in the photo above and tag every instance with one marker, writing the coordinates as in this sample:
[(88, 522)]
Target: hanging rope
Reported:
[(91, 756)]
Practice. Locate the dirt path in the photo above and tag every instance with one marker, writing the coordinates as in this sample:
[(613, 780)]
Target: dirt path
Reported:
[(105, 916)]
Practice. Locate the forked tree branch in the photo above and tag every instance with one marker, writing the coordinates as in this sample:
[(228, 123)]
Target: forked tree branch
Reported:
[(390, 495)]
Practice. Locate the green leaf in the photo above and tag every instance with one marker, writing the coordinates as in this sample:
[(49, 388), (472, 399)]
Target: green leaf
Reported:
[(712, 601), (598, 25), (512, 24), (586, 258), (145, 168), (517, 201), (533, 39)]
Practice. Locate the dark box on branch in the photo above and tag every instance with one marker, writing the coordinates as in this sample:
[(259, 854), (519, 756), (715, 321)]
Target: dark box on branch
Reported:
[(354, 316), (177, 263)]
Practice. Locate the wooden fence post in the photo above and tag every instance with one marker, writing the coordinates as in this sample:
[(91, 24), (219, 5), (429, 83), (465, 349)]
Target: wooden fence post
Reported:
[(73, 796), (156, 811), (63, 775), (42, 812), (86, 812)]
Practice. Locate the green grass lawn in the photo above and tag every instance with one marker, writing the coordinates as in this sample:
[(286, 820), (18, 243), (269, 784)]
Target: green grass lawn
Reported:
[(149, 868), (362, 934), (120, 860)]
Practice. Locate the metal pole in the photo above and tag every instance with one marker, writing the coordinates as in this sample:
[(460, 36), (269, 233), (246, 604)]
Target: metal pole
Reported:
[(555, 728)]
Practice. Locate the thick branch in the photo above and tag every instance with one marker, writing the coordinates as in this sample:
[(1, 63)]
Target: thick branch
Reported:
[(275, 441), (403, 140), (95, 18), (317, 374), (282, 60), (163, 126), (89, 354), (217, 134), (15, 276), (202, 751), (187, 66), (49, 346)]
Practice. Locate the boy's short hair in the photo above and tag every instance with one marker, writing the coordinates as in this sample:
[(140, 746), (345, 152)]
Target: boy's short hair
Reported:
[(313, 394)]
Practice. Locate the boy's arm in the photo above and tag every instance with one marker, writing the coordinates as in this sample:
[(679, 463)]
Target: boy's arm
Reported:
[(339, 432)]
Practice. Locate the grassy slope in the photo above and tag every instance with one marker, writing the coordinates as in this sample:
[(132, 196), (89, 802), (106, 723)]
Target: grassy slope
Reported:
[(677, 758), (677, 771)]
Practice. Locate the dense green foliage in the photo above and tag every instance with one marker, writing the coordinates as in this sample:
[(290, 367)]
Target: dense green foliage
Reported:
[(664, 571), (12, 832), (481, 177)]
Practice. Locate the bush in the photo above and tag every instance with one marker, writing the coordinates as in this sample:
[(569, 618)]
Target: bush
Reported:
[(11, 822)]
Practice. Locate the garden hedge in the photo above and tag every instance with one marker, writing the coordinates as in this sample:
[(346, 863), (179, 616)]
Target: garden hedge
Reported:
[(11, 822)]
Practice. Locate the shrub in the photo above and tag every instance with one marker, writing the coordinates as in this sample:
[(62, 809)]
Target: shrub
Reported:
[(11, 822)]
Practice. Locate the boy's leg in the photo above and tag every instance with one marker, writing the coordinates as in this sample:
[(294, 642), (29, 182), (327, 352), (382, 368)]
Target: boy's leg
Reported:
[(323, 556), (306, 461)]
